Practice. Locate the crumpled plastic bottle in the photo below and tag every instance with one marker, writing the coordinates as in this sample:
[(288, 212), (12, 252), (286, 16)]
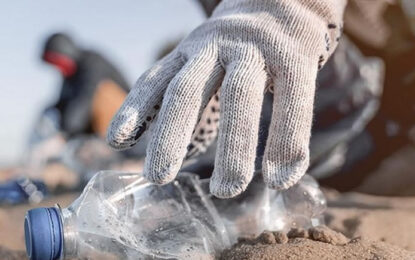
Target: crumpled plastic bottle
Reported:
[(122, 216)]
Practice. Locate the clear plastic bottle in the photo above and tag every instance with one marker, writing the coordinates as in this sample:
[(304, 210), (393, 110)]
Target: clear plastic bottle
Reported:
[(121, 216)]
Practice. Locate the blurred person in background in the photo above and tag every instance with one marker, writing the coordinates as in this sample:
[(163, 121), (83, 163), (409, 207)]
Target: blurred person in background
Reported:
[(92, 89), (66, 145)]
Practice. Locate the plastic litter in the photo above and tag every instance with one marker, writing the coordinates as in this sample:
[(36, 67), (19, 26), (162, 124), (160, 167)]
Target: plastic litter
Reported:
[(22, 190), (122, 216)]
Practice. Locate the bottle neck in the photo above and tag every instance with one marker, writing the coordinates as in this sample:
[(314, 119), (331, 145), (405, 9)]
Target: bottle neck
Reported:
[(70, 234)]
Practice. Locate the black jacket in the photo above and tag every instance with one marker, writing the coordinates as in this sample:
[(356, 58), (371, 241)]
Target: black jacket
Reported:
[(77, 91)]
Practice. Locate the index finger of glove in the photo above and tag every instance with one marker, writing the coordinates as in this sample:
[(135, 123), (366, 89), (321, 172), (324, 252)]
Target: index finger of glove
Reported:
[(142, 103)]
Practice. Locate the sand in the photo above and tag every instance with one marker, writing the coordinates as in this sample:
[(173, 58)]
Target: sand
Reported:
[(359, 227), (316, 243), (7, 254), (386, 219)]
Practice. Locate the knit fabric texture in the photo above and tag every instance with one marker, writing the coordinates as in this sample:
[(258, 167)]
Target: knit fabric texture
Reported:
[(243, 49)]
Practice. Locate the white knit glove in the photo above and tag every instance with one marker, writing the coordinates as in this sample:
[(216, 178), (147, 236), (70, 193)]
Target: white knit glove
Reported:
[(245, 47)]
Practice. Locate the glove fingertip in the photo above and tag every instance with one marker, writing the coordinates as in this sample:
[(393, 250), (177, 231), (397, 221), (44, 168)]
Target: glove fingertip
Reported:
[(112, 138), (122, 136), (161, 177), (279, 177), (225, 189)]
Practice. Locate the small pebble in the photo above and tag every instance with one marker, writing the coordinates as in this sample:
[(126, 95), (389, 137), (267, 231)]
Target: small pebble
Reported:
[(297, 233), (267, 238), (280, 237), (326, 235)]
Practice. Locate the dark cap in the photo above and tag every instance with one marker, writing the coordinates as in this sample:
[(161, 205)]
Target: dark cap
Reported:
[(62, 44)]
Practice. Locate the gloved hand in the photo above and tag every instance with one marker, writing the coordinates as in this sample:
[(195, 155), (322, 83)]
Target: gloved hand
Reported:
[(245, 47)]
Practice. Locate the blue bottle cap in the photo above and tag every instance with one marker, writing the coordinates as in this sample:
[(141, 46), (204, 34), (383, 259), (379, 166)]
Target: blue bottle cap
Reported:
[(43, 234)]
